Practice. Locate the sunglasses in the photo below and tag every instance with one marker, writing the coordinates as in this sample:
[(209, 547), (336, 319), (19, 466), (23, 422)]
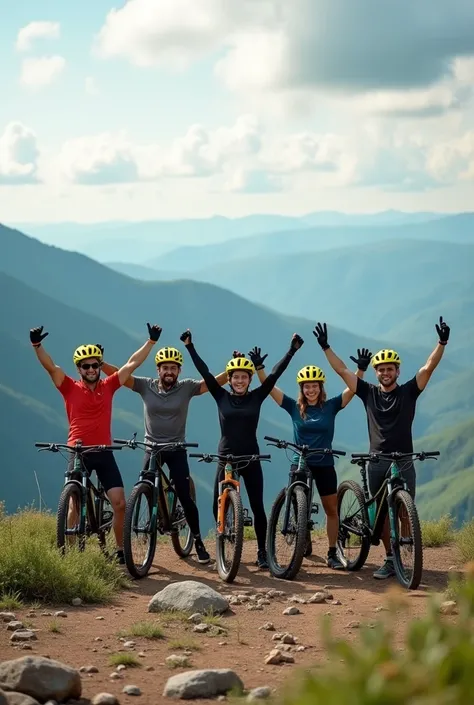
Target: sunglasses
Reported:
[(90, 365)]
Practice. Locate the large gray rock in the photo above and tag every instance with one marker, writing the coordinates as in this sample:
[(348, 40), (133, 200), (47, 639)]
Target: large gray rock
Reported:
[(188, 596), (41, 678), (3, 698), (20, 699), (202, 684)]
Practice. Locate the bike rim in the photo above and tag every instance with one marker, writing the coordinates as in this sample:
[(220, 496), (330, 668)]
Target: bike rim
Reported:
[(285, 544), (140, 535), (228, 537), (405, 541), (180, 526), (351, 526)]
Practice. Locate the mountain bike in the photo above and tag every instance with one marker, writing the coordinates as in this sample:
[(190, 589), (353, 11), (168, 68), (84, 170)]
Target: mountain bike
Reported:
[(153, 507), (81, 501), (361, 525), (295, 499), (231, 515)]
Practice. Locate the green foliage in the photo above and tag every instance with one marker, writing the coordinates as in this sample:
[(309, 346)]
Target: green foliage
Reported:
[(147, 630), (31, 567), (434, 667), (437, 533), (465, 541), (123, 658)]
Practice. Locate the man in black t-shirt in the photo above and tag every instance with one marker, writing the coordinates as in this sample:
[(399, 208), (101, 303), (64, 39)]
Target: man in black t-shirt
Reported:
[(390, 409)]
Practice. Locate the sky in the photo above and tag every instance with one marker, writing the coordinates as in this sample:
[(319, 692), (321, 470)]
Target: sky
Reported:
[(183, 108)]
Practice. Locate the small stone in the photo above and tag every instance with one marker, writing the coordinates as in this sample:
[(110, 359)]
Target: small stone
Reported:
[(104, 699), (201, 628), (261, 693), (76, 602), (176, 660), (277, 637), (222, 643), (46, 614), (288, 639), (353, 625), (98, 638), (195, 618), (448, 607), (132, 690), (7, 616), (89, 669), (377, 609), (254, 607), (268, 627), (25, 647), (284, 647), (336, 602), (235, 601), (273, 658), (291, 611), (120, 667), (115, 676), (318, 598), (301, 648), (13, 626), (61, 613), (129, 644), (99, 618), (297, 599), (141, 654), (263, 601), (23, 635), (149, 668), (243, 598)]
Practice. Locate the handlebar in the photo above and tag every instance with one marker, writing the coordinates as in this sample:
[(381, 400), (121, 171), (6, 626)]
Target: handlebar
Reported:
[(133, 444), (76, 448), (211, 457), (376, 456), (303, 450)]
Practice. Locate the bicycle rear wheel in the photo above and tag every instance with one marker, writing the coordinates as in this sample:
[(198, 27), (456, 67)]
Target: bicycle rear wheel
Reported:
[(353, 536), (285, 552), (139, 531), (71, 498), (408, 545), (181, 536), (230, 542)]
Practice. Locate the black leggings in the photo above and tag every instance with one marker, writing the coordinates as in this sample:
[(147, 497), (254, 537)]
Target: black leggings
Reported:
[(177, 462), (252, 475)]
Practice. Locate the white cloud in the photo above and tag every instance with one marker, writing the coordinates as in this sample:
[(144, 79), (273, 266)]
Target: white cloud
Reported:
[(40, 72), (18, 155), (244, 180), (99, 159), (36, 30), (90, 86), (453, 160)]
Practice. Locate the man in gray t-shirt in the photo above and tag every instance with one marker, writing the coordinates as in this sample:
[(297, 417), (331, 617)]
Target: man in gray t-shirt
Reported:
[(165, 405)]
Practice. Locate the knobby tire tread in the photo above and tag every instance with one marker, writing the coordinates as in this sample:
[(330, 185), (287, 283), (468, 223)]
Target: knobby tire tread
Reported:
[(138, 491), (228, 576), (356, 489)]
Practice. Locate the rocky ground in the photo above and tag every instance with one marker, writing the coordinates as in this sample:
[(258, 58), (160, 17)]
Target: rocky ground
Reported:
[(258, 638)]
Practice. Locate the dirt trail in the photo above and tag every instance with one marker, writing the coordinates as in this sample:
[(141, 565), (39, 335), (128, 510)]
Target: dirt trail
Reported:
[(243, 647)]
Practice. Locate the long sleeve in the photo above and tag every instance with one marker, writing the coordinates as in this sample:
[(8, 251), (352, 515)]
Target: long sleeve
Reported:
[(212, 384), (267, 386)]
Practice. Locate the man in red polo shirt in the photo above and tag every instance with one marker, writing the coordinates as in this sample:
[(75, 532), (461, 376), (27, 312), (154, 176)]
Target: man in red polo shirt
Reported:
[(88, 403)]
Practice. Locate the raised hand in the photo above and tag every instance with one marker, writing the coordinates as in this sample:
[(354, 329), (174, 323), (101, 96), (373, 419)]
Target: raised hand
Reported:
[(186, 337), (36, 336), (321, 333), (256, 356), (236, 353), (296, 342), (154, 332), (443, 331), (363, 358)]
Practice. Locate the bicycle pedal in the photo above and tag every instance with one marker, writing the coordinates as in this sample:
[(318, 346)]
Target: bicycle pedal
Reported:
[(248, 521), (315, 509)]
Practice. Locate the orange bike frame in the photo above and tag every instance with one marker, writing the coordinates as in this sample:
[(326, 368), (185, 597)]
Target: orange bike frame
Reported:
[(223, 493)]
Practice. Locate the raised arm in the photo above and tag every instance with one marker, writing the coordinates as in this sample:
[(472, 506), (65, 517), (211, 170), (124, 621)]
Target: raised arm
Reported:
[(424, 373), (256, 356), (221, 379), (362, 361), (55, 372), (139, 357), (267, 386), (109, 369), (340, 367), (211, 382)]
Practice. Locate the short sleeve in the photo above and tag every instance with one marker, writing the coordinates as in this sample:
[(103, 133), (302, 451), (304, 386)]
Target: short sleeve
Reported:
[(288, 404), (192, 386), (412, 388), (362, 390), (66, 386), (335, 404), (113, 382), (140, 384)]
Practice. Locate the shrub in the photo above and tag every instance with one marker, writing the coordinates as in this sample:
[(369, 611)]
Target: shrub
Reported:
[(465, 541), (32, 568), (437, 533)]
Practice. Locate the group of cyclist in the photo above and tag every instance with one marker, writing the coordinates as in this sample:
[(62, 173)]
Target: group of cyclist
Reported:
[(390, 409)]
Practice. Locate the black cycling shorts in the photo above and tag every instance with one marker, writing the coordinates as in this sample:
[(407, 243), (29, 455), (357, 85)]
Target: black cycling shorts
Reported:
[(376, 473), (105, 466), (325, 479)]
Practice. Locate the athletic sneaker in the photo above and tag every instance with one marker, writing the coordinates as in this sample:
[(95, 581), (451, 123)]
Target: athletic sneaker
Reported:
[(261, 561), (386, 570), (202, 554), (333, 561)]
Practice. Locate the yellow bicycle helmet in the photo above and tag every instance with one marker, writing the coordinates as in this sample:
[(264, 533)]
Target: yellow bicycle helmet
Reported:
[(83, 352), (169, 355), (240, 363), (386, 356), (310, 373)]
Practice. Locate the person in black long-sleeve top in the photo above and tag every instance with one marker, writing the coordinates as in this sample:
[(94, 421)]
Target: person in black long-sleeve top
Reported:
[(239, 412)]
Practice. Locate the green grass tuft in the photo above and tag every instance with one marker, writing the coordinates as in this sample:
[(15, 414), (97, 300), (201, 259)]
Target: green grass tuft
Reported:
[(147, 630), (465, 541), (123, 658), (438, 533)]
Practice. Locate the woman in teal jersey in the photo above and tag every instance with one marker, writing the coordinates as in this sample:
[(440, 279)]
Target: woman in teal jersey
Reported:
[(313, 416)]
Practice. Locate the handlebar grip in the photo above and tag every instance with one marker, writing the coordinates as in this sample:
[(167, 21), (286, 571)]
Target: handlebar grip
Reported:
[(43, 445), (195, 455), (265, 457), (119, 440), (273, 440), (339, 452), (435, 452), (191, 445), (115, 447)]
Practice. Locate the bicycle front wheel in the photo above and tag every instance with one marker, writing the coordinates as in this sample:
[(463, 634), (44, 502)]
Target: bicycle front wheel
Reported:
[(181, 536), (68, 519), (353, 536), (105, 517), (408, 545), (230, 542), (285, 551), (139, 531)]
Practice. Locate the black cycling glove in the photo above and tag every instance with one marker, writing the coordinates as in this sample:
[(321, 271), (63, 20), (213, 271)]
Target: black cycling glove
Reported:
[(363, 358), (154, 332), (321, 334), (256, 356), (443, 331), (36, 336), (296, 342)]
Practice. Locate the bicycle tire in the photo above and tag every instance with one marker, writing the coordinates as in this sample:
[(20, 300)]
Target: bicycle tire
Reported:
[(356, 489), (104, 506), (141, 490), (293, 567), (228, 575), (183, 552), (70, 491), (402, 497)]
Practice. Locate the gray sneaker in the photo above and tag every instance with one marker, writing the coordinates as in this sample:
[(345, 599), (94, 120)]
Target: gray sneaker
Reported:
[(385, 571)]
